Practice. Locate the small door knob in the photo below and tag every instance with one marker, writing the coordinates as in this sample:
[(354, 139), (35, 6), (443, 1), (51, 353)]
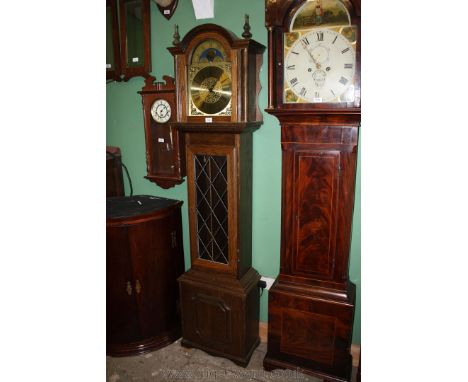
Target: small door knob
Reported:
[(138, 286), (129, 288)]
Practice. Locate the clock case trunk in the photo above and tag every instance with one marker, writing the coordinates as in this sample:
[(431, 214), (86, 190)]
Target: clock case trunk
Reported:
[(220, 300), (311, 304)]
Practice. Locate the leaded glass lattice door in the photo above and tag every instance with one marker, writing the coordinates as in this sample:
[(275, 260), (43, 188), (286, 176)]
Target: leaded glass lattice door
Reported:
[(210, 215), (212, 207)]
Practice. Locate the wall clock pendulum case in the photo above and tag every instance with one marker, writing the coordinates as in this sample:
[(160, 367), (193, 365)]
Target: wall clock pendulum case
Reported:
[(314, 91), (165, 155), (217, 78)]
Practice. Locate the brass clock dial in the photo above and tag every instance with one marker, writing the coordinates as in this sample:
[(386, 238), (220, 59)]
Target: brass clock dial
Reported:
[(211, 89), (210, 83), (161, 111)]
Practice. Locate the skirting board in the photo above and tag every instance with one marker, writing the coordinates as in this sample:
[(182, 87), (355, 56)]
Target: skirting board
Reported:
[(355, 348)]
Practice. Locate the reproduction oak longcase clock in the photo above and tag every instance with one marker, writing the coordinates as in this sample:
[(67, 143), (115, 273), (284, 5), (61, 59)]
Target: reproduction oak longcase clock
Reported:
[(314, 91), (217, 77)]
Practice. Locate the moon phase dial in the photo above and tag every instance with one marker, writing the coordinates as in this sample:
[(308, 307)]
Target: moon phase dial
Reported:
[(210, 90)]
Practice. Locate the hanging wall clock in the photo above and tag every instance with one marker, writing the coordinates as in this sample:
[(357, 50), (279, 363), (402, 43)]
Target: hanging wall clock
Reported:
[(167, 7), (314, 91), (165, 155)]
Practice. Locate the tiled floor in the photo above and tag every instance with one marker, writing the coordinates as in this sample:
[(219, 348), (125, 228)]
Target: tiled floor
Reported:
[(176, 363)]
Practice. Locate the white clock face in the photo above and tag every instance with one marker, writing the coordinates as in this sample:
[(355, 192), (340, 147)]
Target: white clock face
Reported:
[(161, 111), (320, 67)]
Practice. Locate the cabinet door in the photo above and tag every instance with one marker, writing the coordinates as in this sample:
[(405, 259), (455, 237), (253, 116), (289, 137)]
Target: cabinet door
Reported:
[(316, 185), (154, 252), (122, 316), (318, 198)]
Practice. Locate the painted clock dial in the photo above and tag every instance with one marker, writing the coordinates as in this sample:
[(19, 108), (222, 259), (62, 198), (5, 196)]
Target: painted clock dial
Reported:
[(320, 67), (209, 51), (161, 111)]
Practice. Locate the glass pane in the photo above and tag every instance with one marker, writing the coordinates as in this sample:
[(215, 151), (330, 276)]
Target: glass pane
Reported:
[(109, 42), (212, 208), (134, 32)]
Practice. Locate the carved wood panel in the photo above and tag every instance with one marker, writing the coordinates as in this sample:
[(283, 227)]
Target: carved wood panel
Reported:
[(212, 319)]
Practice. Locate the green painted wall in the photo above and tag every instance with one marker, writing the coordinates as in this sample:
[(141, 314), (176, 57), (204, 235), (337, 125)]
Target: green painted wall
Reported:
[(125, 130)]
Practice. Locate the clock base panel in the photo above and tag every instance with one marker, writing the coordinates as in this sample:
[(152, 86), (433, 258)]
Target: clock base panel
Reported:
[(220, 313), (310, 334)]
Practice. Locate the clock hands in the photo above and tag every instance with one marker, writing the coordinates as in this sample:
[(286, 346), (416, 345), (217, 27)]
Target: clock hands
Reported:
[(212, 90), (317, 65), (162, 110), (321, 55)]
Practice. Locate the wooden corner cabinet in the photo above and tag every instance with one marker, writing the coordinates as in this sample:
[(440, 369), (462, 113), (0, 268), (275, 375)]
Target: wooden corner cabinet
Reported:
[(144, 259), (314, 91), (217, 81)]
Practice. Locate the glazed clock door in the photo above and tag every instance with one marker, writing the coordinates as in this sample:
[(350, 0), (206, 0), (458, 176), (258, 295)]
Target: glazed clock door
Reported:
[(210, 171)]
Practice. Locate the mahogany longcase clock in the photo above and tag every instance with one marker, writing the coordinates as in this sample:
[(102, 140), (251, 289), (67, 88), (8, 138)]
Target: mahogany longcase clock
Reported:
[(314, 91), (217, 77)]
